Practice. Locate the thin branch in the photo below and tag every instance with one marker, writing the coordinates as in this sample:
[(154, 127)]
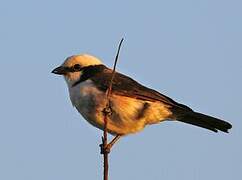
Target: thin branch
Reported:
[(114, 69), (107, 110)]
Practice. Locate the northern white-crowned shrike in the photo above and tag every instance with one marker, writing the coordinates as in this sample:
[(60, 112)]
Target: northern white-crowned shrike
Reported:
[(133, 105)]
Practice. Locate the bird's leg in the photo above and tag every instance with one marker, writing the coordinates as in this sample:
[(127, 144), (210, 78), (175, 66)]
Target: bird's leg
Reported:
[(108, 147), (114, 140)]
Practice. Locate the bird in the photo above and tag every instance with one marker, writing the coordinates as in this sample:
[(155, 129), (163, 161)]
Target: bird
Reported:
[(133, 105)]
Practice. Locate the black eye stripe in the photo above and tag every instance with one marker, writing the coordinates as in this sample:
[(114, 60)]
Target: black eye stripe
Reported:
[(89, 72)]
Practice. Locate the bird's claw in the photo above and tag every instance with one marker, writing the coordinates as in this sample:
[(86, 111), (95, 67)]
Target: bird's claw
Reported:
[(107, 111), (105, 149)]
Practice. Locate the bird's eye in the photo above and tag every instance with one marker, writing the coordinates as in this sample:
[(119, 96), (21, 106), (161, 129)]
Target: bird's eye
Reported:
[(77, 67)]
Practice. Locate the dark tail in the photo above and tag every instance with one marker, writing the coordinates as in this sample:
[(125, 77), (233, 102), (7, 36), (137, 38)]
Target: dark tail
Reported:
[(205, 121)]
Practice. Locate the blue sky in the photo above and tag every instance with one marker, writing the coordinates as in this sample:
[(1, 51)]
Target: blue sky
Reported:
[(188, 50)]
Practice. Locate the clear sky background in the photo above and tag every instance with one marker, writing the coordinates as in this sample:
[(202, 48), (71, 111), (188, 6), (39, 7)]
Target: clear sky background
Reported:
[(190, 50)]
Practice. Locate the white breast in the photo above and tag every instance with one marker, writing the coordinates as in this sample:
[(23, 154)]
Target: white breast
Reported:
[(85, 96)]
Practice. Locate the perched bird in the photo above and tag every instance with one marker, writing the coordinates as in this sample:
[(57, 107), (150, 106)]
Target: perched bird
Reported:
[(133, 106)]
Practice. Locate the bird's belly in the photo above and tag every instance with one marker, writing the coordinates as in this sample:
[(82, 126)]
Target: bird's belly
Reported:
[(122, 119), (128, 115)]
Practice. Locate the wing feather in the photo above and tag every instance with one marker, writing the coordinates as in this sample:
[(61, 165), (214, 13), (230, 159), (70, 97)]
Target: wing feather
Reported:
[(126, 86)]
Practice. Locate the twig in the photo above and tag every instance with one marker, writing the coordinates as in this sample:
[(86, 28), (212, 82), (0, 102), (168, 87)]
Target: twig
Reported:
[(107, 110)]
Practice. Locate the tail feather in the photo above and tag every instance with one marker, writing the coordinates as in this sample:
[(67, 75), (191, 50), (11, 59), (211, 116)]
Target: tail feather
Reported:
[(205, 121)]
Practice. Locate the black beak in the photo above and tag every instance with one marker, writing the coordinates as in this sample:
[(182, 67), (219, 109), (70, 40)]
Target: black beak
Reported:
[(60, 70)]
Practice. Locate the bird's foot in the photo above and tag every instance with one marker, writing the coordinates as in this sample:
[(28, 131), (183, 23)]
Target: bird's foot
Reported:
[(107, 111), (105, 149)]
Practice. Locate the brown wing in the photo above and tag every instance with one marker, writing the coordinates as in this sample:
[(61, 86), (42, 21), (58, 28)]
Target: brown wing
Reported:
[(126, 86)]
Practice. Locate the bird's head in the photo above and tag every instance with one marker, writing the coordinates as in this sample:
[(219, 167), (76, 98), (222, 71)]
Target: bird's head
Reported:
[(73, 66)]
